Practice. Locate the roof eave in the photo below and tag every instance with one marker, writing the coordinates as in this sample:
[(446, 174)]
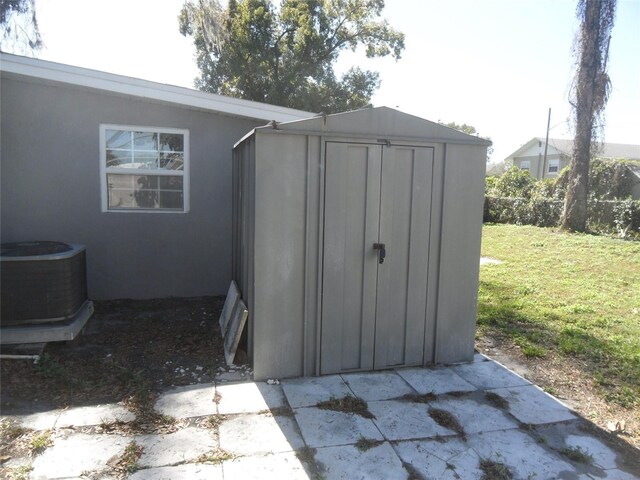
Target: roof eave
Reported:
[(79, 76)]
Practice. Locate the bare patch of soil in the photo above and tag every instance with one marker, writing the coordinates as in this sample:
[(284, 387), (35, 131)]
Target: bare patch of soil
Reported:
[(129, 350)]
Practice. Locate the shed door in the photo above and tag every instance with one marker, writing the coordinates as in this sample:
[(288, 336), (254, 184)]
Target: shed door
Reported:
[(373, 314)]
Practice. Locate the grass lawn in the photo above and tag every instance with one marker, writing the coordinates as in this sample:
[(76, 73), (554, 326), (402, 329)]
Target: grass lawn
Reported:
[(568, 296)]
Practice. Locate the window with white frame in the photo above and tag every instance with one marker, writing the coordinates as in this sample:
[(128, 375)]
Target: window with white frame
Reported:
[(144, 169), (554, 166), (525, 165)]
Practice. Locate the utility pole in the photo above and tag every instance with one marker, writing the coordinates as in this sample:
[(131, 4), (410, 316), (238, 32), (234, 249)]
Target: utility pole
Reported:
[(546, 145)]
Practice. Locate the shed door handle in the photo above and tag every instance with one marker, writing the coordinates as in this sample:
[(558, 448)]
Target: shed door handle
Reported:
[(382, 251)]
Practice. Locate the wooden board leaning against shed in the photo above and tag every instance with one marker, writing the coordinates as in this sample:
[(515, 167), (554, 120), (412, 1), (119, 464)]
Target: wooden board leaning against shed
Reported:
[(233, 295), (232, 338)]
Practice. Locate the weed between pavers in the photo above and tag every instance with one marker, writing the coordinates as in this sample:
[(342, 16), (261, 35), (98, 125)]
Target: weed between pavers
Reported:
[(452, 467), (418, 398), (284, 411), (21, 473), (40, 442), (214, 421), (447, 420), (147, 419), (128, 462), (577, 454), (363, 444), (497, 400), (494, 470), (347, 404), (457, 394), (307, 454), (413, 473), (307, 457), (215, 457)]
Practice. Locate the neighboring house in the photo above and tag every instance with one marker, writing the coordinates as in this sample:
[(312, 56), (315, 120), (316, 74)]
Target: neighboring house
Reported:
[(139, 172), (531, 157)]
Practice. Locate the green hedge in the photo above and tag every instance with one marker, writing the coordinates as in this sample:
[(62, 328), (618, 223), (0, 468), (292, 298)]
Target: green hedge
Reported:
[(621, 217)]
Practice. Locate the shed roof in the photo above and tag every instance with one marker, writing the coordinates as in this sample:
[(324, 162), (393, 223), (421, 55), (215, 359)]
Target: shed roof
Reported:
[(17, 66), (380, 122)]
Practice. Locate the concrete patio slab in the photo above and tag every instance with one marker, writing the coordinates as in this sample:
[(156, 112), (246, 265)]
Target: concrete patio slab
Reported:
[(254, 434), (189, 401), (489, 375), (265, 445), (531, 405), (348, 463), (326, 428), (570, 435), (377, 386), (192, 471), (522, 454), (249, 397), (308, 392), (435, 380), (602, 455), (94, 415), (78, 453), (185, 445), (278, 466), (40, 421), (447, 459), (475, 417), (405, 420)]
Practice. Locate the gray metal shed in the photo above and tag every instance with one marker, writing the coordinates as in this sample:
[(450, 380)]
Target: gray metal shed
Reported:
[(357, 242)]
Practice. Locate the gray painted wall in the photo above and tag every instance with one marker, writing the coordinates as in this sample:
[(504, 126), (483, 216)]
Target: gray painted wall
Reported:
[(50, 190)]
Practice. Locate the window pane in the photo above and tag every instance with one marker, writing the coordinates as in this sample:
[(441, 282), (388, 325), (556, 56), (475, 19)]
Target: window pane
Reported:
[(119, 158), (145, 191), (131, 191), (145, 160), (172, 161), (120, 191), (172, 200), (118, 139), (171, 183), (171, 192), (145, 141), (172, 142)]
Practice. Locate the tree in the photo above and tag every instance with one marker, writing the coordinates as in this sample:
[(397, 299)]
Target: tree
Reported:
[(590, 93), (285, 55), (20, 32), (469, 130)]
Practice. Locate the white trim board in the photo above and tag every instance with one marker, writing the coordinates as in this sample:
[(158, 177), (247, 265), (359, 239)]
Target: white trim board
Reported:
[(85, 77)]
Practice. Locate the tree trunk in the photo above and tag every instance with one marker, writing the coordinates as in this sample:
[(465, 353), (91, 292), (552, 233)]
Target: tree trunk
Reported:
[(575, 207)]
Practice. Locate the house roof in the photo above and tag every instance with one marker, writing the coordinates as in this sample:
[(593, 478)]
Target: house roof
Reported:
[(18, 66), (381, 122), (606, 150)]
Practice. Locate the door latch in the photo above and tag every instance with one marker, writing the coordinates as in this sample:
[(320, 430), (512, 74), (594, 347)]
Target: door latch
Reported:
[(382, 251)]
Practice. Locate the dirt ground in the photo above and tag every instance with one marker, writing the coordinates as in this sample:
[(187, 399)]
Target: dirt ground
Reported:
[(126, 346)]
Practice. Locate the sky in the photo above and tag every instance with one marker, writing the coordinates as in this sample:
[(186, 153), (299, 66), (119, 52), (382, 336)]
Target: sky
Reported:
[(498, 65)]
